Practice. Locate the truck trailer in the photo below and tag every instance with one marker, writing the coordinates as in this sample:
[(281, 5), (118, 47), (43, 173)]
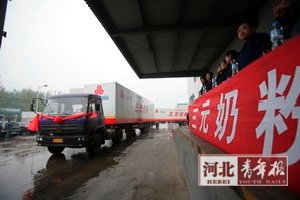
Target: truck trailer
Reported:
[(88, 116), (170, 115)]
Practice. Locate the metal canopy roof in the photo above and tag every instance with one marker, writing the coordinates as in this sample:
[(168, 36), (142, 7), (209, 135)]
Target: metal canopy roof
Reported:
[(172, 38)]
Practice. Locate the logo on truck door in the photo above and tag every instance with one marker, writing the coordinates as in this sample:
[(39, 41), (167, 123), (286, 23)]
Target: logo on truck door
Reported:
[(99, 90)]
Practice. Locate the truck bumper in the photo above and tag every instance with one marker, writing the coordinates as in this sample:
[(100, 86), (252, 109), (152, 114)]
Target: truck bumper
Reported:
[(77, 141)]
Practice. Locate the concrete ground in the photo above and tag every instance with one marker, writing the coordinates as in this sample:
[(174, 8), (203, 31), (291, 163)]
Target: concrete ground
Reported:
[(144, 168)]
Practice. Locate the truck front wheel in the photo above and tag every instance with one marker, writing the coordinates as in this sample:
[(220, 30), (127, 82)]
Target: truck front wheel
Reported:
[(55, 150), (94, 144)]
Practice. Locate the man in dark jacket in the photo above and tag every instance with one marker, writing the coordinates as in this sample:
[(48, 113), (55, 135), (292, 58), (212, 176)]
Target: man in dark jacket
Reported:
[(209, 85), (256, 44), (287, 13)]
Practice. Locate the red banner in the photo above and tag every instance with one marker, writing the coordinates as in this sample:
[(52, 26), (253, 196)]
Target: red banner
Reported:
[(257, 111), (34, 123)]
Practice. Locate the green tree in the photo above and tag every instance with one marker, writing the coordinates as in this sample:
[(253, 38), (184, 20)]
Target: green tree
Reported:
[(19, 99)]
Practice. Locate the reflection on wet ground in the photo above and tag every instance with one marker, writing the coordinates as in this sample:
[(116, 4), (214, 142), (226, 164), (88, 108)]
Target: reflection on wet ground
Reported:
[(24, 166), (29, 171), (64, 176), (20, 159)]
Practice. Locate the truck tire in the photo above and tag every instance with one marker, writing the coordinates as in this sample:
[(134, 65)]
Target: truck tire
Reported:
[(118, 136), (143, 130), (94, 144), (148, 128), (130, 134), (55, 150)]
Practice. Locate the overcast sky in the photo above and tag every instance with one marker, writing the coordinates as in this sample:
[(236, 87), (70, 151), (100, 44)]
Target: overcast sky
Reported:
[(62, 44)]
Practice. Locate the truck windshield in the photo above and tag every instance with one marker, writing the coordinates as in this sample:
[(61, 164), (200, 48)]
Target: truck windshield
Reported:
[(66, 106)]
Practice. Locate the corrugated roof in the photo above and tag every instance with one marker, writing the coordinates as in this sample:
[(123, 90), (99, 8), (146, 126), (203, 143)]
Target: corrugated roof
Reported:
[(172, 38)]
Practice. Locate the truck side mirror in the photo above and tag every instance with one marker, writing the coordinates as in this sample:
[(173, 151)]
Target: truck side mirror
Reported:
[(32, 105), (97, 108)]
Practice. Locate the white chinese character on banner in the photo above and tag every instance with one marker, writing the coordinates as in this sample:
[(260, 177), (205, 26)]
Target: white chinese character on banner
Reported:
[(277, 169), (204, 113), (193, 118), (286, 105), (261, 168), (223, 114), (247, 169)]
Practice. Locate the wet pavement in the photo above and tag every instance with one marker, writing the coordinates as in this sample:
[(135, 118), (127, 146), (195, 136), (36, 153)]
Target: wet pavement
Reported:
[(143, 168)]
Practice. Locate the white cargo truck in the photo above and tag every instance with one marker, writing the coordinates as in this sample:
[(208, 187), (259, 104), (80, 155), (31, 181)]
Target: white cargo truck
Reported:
[(88, 116)]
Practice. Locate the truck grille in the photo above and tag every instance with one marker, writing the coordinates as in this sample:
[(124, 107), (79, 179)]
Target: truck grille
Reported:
[(61, 129)]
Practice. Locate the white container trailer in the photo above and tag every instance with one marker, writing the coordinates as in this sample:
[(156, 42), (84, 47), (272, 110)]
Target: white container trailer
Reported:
[(120, 104)]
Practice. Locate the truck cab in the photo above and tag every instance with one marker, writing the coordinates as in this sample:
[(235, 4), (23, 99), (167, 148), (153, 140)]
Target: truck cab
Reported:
[(71, 120)]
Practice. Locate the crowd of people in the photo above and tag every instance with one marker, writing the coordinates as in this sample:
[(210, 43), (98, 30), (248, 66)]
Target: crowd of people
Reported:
[(285, 26)]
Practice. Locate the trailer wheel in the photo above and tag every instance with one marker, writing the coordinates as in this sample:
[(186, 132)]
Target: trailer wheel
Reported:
[(143, 130), (118, 136), (148, 128), (55, 150)]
